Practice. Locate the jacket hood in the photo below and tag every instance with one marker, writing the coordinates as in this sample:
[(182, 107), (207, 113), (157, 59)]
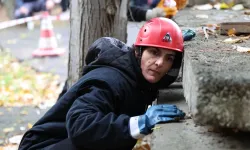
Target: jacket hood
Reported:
[(111, 52)]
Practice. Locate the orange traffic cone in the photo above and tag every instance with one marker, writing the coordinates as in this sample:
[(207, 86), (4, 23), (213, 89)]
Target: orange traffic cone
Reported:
[(47, 43)]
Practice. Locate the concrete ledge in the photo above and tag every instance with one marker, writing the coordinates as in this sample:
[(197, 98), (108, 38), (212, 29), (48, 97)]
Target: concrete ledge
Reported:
[(216, 82), (187, 135)]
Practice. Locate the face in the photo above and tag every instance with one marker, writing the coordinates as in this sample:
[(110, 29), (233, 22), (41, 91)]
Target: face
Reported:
[(156, 62)]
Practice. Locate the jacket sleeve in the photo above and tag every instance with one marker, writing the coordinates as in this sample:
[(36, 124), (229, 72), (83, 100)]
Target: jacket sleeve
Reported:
[(91, 122), (136, 14)]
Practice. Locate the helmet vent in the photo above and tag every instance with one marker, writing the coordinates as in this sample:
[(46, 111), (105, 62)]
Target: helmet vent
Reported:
[(145, 30)]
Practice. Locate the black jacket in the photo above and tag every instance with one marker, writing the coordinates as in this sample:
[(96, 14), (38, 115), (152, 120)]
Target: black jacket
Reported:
[(135, 13), (94, 113)]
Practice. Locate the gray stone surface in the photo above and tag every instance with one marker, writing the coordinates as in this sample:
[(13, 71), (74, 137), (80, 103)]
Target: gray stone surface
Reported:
[(186, 135), (216, 77)]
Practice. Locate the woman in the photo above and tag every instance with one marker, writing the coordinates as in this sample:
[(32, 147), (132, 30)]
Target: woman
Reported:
[(106, 108)]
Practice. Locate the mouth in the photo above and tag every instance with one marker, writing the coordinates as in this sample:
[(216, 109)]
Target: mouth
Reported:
[(154, 71)]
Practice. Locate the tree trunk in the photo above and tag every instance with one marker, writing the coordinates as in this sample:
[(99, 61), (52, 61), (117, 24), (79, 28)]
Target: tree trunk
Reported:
[(90, 20), (10, 7)]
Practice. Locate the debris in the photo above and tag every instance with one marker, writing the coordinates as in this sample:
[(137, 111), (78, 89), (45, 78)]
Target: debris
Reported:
[(188, 116), (141, 145), (207, 31), (201, 16), (23, 35), (236, 40), (180, 4), (29, 125), (15, 139), (241, 49), (203, 7), (12, 42), (7, 130), (156, 128), (22, 128), (238, 7), (224, 6), (245, 37), (24, 112), (9, 147), (231, 32), (227, 4), (232, 41), (38, 112), (217, 6), (247, 13), (213, 26), (21, 85), (240, 27)]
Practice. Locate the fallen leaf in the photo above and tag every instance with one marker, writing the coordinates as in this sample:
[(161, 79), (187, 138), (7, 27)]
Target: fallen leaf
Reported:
[(238, 7), (245, 37), (11, 41), (22, 86), (29, 125), (201, 16), (24, 112), (231, 32), (203, 7), (9, 147), (7, 130), (15, 139), (156, 128), (232, 41), (23, 35), (241, 49), (141, 145)]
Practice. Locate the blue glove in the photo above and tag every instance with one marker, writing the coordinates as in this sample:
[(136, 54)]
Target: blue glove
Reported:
[(142, 125), (188, 34)]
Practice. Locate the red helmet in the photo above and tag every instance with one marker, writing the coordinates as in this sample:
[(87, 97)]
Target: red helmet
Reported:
[(162, 33)]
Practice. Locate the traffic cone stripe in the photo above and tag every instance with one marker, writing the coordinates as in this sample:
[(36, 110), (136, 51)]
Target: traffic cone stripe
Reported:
[(46, 33), (47, 42), (46, 25), (54, 52), (46, 49)]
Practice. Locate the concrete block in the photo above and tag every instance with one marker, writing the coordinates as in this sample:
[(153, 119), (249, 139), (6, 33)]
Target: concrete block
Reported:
[(216, 81)]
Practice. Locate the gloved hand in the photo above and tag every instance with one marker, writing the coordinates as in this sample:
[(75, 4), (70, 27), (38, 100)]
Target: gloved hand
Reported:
[(142, 125), (155, 12)]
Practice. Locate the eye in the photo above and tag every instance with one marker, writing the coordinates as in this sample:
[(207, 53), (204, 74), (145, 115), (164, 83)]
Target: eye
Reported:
[(170, 58), (154, 52)]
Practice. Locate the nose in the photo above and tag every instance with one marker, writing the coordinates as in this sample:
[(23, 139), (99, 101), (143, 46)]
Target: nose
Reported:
[(159, 62)]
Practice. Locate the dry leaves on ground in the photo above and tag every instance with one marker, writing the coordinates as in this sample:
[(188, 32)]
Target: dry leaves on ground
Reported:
[(20, 85)]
